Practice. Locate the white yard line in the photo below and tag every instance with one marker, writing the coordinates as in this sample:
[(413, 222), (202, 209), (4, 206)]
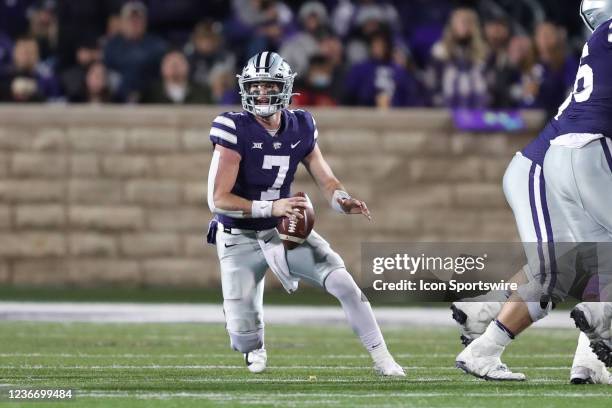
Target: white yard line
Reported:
[(323, 395), (237, 367), (277, 357), (212, 313)]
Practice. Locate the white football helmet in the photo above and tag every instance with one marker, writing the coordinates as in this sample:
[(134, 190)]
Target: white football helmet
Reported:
[(266, 67), (595, 12)]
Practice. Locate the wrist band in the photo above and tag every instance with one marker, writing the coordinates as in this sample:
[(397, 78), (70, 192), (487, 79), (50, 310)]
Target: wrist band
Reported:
[(261, 209), (339, 194)]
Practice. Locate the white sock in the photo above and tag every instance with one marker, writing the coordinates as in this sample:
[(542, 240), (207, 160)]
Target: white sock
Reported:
[(498, 335), (358, 312)]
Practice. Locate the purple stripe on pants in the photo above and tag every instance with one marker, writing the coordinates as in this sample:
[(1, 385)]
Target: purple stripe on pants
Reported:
[(536, 223)]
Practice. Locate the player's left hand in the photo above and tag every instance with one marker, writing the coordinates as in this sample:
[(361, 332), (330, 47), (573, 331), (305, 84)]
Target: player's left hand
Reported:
[(354, 206)]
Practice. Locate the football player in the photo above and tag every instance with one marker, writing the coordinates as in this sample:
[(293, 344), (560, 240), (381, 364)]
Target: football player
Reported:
[(579, 165), (545, 214), (256, 154)]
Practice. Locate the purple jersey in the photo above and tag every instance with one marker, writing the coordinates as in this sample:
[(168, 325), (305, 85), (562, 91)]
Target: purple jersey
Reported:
[(366, 80), (536, 150), (268, 163), (588, 109)]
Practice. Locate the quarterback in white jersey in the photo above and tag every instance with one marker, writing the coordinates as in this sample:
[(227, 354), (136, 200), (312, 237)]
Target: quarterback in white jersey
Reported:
[(256, 154)]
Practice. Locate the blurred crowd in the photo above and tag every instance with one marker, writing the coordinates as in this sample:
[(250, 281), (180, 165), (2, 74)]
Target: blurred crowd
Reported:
[(443, 53)]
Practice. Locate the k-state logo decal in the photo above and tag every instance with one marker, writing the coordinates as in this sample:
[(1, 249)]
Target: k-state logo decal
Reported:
[(277, 145), (257, 145)]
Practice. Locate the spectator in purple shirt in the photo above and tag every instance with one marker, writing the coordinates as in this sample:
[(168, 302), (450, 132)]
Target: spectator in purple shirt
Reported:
[(134, 54), (224, 87), (379, 81), (456, 75), (522, 58), (423, 22), (13, 17), (28, 80), (556, 65)]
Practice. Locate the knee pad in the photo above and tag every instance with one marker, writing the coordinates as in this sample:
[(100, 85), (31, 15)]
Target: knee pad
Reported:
[(539, 310), (247, 342), (537, 305), (244, 324), (530, 292), (526, 269), (341, 285)]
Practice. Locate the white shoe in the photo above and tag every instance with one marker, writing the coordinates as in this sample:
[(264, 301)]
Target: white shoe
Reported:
[(481, 359), (593, 319), (586, 368), (384, 364), (389, 368), (586, 375), (473, 318), (256, 360)]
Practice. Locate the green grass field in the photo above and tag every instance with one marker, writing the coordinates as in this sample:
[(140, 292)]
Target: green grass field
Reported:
[(189, 365)]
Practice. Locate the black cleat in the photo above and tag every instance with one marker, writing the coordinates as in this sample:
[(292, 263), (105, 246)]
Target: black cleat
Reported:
[(458, 315), (581, 381), (581, 321), (465, 340), (603, 352), (600, 348)]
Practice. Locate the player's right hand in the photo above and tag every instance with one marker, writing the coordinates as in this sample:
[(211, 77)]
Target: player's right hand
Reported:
[(288, 207)]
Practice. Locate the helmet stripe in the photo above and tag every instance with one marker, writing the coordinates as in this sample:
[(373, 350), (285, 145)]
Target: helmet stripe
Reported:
[(258, 64), (267, 62), (262, 61)]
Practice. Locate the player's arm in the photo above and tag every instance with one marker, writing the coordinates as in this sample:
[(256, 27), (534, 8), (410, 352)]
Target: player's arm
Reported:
[(331, 187), (222, 176)]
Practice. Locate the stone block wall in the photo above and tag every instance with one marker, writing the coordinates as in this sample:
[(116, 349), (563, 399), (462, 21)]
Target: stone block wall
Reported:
[(95, 196)]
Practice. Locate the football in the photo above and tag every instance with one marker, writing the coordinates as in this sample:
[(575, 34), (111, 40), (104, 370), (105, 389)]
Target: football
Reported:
[(293, 231)]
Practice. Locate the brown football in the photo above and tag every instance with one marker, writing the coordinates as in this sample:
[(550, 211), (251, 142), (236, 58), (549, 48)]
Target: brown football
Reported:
[(293, 231)]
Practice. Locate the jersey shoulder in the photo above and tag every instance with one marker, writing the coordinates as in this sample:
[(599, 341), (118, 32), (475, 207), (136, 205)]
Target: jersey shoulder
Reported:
[(227, 129), (233, 120), (601, 37), (304, 120)]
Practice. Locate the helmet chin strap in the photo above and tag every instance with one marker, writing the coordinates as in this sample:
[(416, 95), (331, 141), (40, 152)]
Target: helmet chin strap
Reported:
[(266, 109), (262, 112)]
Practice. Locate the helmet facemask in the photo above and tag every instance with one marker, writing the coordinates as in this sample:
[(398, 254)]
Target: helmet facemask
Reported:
[(268, 103)]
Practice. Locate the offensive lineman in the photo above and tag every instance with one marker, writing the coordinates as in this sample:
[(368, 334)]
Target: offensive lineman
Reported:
[(256, 154), (581, 128), (579, 162)]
